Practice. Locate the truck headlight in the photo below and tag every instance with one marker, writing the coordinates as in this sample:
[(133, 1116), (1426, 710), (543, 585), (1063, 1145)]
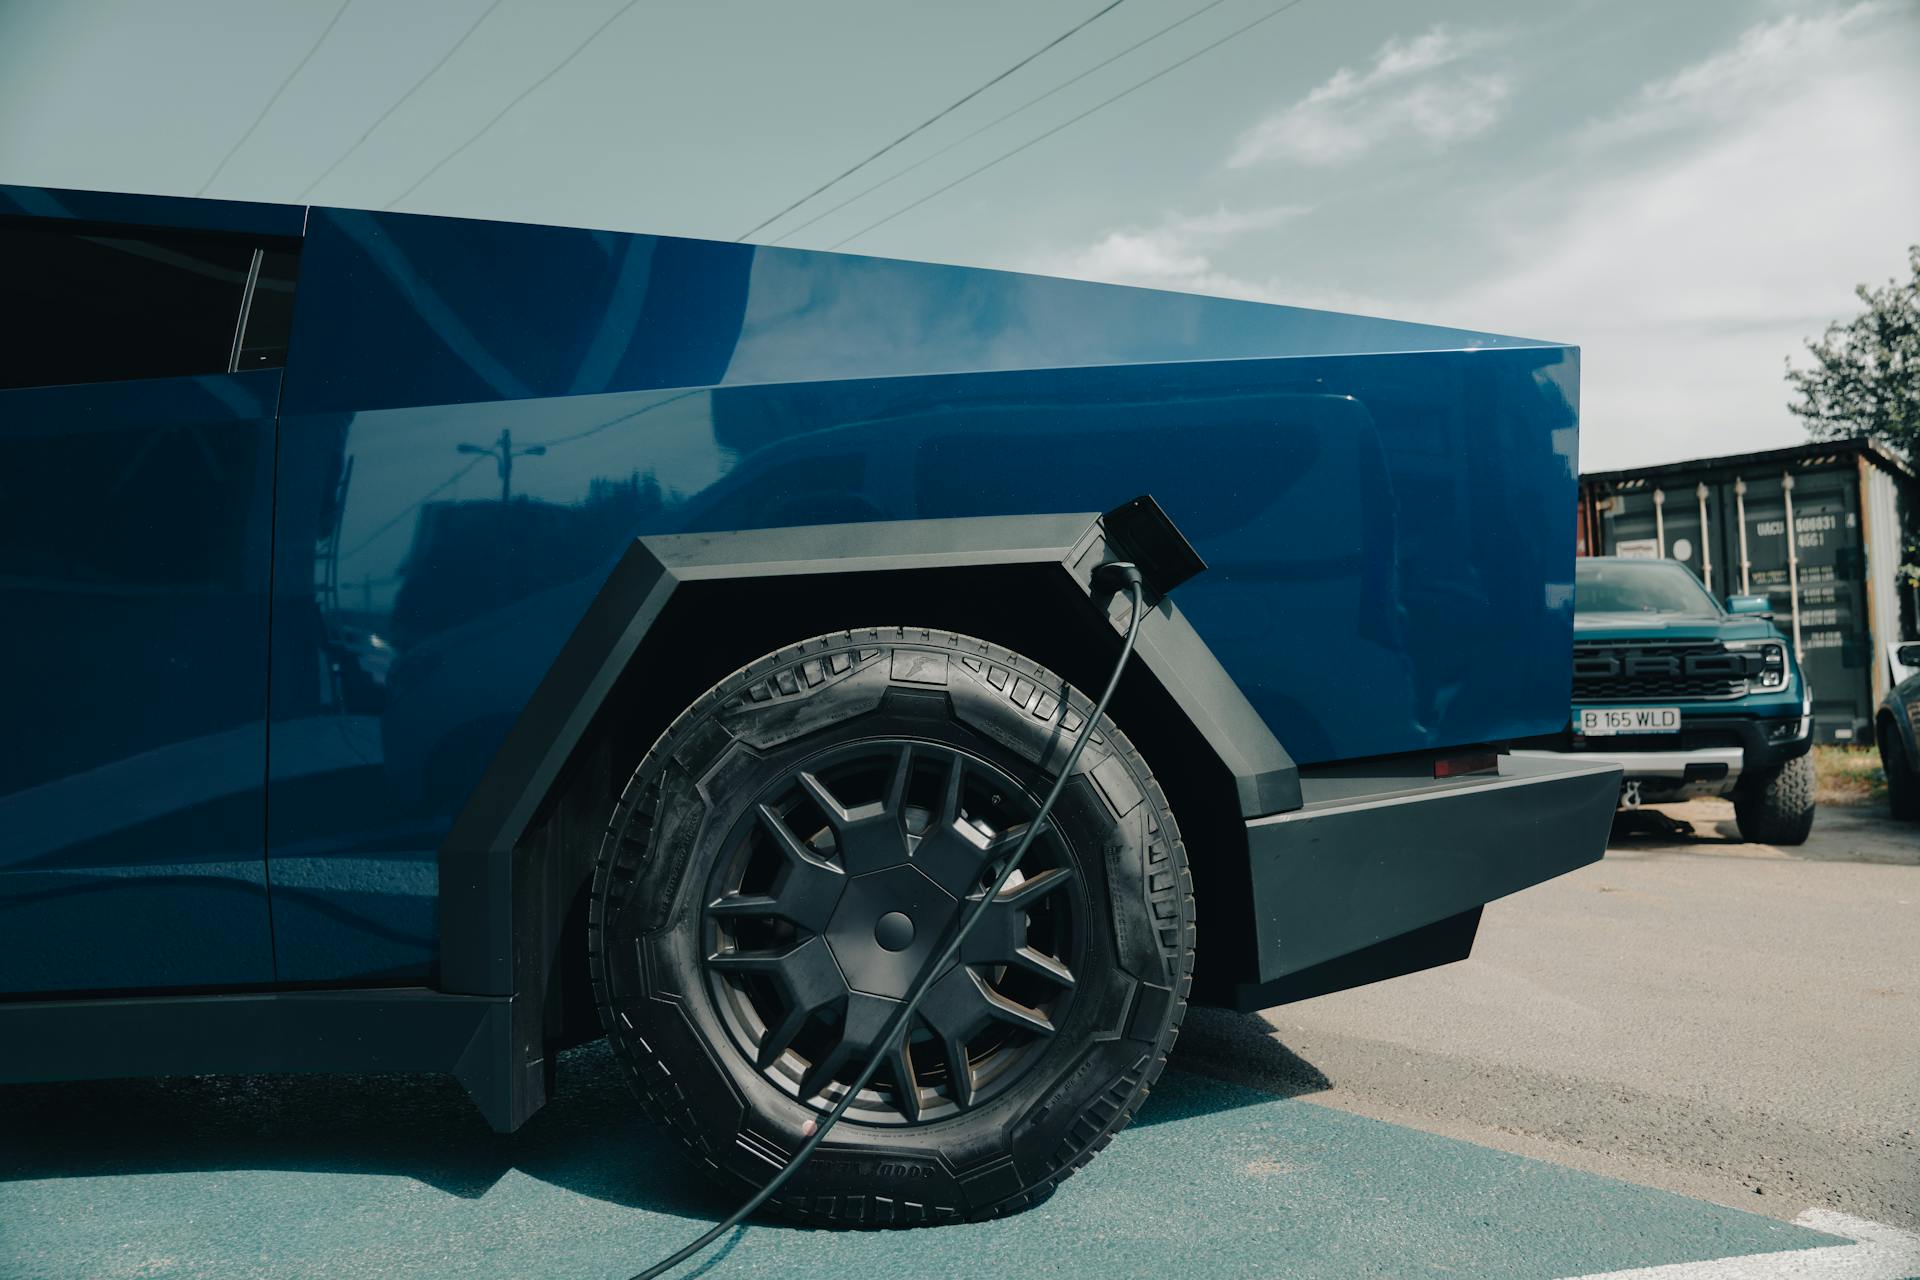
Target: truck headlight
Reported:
[(1772, 670)]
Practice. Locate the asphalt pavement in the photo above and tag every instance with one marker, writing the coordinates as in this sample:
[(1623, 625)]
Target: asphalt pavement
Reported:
[(395, 1177), (1731, 1021), (1695, 1060)]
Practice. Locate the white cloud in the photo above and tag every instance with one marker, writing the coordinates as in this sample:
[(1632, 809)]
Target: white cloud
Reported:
[(1690, 270), (1176, 253), (1689, 244), (1414, 88), (1769, 58)]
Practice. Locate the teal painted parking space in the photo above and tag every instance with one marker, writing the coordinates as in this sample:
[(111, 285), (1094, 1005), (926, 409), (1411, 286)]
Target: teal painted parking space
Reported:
[(387, 1177)]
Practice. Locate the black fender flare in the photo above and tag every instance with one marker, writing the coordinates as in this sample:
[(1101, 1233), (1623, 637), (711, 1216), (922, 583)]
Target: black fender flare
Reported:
[(680, 612)]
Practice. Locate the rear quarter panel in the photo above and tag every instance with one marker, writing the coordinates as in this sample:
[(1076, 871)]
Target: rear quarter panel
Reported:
[(1390, 534)]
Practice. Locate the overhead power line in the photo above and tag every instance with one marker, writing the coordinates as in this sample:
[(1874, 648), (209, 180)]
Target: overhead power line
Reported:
[(997, 121), (597, 428), (1100, 106), (542, 445), (401, 101), (292, 75), (431, 494), (936, 116), (518, 98)]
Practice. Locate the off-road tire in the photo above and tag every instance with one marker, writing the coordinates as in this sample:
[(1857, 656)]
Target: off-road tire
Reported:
[(649, 928), (1903, 785), (1775, 806)]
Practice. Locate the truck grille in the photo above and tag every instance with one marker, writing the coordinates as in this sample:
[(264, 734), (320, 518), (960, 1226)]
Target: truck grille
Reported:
[(1609, 671)]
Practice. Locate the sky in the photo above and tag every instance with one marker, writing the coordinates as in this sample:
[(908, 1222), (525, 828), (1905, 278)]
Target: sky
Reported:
[(1687, 191)]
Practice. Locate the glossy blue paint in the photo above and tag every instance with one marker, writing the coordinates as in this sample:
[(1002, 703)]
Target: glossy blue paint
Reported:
[(399, 309), (477, 418), (134, 539)]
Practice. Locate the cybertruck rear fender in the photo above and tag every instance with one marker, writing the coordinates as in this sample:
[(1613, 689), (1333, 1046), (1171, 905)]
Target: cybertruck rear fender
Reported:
[(679, 613), (1308, 881)]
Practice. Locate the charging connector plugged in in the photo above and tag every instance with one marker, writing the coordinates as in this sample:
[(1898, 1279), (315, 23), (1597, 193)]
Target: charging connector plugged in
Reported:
[(1109, 578)]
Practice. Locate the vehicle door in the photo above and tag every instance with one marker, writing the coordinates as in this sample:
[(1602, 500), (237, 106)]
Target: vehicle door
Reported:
[(138, 389)]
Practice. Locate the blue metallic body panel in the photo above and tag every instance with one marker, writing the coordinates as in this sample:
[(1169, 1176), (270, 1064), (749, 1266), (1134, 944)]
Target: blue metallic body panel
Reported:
[(1385, 506), (1339, 522), (133, 580), (399, 309)]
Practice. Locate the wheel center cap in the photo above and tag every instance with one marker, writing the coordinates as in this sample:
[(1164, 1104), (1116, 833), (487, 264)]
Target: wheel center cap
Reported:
[(894, 931), (886, 927)]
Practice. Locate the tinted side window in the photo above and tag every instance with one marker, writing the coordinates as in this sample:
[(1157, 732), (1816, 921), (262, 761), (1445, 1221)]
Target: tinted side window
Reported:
[(90, 303)]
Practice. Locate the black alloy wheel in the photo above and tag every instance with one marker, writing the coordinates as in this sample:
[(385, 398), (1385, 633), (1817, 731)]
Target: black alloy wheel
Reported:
[(845, 880), (803, 840)]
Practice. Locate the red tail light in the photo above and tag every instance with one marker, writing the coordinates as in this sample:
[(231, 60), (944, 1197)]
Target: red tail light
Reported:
[(1465, 763)]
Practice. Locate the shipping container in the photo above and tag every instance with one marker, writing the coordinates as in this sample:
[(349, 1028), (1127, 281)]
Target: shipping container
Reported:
[(1838, 585)]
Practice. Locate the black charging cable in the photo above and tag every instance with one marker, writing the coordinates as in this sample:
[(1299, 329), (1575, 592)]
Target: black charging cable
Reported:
[(1115, 577)]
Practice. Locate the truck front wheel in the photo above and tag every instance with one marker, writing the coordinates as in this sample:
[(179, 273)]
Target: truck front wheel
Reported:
[(803, 841), (1903, 781), (1775, 806)]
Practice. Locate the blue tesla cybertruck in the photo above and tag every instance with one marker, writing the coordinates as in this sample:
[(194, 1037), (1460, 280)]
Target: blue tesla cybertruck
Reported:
[(430, 644)]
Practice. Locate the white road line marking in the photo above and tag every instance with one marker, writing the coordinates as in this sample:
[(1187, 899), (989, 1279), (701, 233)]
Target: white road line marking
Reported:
[(1878, 1253)]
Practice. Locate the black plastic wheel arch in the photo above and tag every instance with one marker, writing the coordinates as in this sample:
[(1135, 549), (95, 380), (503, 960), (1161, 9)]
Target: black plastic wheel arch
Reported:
[(680, 612)]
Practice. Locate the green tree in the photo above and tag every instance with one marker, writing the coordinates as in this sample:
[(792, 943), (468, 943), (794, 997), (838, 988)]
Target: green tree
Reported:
[(1865, 379)]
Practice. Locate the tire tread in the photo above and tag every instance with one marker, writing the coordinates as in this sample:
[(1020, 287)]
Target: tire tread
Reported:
[(1777, 807), (1170, 899)]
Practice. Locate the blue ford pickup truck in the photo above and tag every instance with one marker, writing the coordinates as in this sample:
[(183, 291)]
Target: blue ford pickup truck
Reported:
[(1688, 697), (433, 643)]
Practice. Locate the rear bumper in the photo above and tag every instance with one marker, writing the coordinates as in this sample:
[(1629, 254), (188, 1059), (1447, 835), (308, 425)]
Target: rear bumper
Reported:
[(1706, 758), (1383, 870), (1703, 771)]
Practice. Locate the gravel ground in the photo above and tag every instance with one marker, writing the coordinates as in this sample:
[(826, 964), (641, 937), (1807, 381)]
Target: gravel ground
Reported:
[(1735, 1022)]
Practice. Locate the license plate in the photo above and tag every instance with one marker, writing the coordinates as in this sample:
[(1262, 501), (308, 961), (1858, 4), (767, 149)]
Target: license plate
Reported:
[(1600, 722)]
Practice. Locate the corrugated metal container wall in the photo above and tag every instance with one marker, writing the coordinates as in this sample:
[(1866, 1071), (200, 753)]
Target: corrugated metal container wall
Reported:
[(1891, 611), (1730, 527)]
